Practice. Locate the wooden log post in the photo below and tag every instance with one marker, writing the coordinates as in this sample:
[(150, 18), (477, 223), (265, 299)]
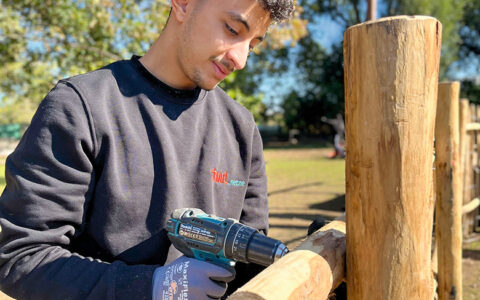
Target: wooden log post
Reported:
[(465, 168), (476, 118), (391, 81), (371, 10), (448, 219), (474, 113), (311, 271), (471, 177)]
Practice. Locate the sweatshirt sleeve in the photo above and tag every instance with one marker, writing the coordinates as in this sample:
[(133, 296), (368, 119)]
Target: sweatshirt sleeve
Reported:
[(50, 180), (255, 208)]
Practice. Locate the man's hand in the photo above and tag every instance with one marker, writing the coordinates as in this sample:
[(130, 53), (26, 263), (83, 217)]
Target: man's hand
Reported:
[(192, 279)]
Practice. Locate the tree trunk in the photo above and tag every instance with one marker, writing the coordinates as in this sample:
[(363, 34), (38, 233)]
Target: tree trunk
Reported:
[(391, 81)]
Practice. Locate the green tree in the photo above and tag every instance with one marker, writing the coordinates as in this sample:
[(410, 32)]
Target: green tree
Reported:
[(470, 50), (449, 12), (45, 40), (321, 87), (322, 92), (42, 41), (470, 31)]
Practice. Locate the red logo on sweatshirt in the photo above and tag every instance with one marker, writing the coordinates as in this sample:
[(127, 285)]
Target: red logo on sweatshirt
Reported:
[(220, 177)]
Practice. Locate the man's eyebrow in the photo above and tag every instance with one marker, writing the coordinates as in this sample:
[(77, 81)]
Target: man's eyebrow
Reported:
[(240, 19)]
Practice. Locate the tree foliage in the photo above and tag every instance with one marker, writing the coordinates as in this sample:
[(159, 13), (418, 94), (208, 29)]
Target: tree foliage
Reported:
[(470, 31), (320, 91), (448, 12), (45, 40), (470, 50), (42, 41)]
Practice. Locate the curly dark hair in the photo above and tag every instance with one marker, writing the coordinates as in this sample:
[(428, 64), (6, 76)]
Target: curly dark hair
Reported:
[(280, 10)]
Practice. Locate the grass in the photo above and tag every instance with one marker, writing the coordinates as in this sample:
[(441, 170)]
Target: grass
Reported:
[(302, 185), (474, 246)]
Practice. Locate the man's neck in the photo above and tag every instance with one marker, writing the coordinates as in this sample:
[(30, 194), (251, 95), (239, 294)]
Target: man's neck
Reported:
[(162, 62)]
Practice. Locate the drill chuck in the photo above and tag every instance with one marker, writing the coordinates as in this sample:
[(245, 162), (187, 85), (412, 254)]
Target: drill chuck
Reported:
[(247, 245), (225, 241)]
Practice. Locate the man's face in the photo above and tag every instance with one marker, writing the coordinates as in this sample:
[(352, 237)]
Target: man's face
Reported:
[(217, 37)]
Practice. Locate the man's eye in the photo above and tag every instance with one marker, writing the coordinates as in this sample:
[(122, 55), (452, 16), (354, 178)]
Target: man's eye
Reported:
[(231, 29)]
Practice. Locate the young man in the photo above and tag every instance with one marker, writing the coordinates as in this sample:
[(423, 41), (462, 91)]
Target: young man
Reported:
[(110, 154)]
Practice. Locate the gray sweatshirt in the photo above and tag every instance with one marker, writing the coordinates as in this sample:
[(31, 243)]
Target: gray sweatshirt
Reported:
[(108, 156)]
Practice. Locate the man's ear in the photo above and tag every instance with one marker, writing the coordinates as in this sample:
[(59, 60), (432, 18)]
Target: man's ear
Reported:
[(179, 9)]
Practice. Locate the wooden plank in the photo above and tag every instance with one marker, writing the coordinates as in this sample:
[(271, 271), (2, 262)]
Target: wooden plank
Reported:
[(471, 206), (448, 193), (473, 126), (391, 81), (310, 271)]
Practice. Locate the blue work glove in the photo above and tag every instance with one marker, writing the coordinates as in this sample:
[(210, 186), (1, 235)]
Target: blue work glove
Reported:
[(192, 279)]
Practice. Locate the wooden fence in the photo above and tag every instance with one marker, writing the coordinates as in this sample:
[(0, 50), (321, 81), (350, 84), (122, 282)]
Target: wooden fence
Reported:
[(395, 110), (471, 163), (391, 81)]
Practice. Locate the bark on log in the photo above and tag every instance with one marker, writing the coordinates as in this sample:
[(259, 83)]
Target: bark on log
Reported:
[(310, 271), (391, 80), (449, 193)]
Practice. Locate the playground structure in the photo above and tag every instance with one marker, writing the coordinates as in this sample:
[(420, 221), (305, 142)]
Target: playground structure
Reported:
[(394, 110)]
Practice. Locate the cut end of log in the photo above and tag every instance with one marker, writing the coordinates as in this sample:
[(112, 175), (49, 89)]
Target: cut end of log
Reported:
[(245, 296), (449, 84), (396, 19), (308, 272)]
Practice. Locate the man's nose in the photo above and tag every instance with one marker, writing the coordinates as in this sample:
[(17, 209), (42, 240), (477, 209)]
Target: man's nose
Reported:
[(238, 55)]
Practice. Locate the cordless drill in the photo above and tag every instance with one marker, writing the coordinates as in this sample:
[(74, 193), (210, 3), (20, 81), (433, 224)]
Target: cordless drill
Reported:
[(221, 241)]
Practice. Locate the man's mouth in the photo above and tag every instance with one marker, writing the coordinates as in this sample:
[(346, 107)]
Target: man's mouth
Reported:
[(220, 71)]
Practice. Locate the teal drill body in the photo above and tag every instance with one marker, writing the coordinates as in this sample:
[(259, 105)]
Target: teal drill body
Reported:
[(220, 241)]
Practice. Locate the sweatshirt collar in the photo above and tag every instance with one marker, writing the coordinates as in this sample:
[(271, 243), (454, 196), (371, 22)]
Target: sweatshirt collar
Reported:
[(175, 95)]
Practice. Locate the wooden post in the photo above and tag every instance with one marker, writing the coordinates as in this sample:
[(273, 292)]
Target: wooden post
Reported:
[(372, 10), (464, 165), (449, 193), (391, 81), (311, 271), (476, 164), (472, 183)]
